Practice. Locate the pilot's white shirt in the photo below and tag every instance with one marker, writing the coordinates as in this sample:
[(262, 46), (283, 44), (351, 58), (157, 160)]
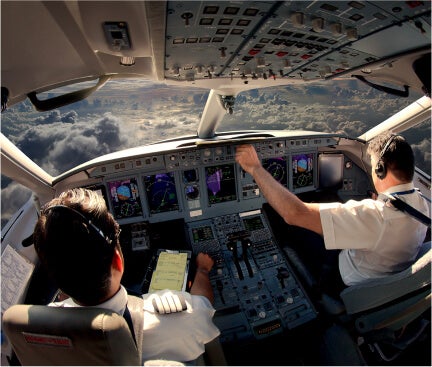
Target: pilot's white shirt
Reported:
[(178, 336), (375, 238)]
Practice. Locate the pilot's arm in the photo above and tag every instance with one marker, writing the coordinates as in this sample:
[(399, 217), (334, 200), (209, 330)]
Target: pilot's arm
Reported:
[(201, 285), (290, 207)]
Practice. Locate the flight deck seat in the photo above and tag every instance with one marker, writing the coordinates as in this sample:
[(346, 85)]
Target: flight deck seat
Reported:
[(90, 336), (388, 313), (43, 335)]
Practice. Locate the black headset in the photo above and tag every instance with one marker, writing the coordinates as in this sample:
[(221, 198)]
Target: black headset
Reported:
[(380, 168), (85, 220)]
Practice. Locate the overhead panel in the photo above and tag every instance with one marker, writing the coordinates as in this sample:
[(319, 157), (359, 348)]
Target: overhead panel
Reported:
[(301, 40)]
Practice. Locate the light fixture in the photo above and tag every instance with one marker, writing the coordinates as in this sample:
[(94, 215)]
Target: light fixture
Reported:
[(127, 60)]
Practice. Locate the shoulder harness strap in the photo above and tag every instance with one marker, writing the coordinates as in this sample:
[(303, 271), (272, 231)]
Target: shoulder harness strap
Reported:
[(169, 303), (408, 209), (135, 307)]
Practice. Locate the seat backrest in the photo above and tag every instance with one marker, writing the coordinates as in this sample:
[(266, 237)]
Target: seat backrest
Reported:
[(42, 335), (377, 292)]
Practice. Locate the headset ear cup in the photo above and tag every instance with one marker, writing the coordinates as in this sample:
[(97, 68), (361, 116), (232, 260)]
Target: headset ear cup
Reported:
[(380, 170)]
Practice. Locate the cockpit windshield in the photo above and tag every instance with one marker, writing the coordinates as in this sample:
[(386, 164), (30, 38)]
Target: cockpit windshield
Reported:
[(131, 113)]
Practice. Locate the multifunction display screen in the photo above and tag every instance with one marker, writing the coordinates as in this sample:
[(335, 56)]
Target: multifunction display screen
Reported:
[(125, 199), (277, 168), (221, 184), (302, 169), (161, 192)]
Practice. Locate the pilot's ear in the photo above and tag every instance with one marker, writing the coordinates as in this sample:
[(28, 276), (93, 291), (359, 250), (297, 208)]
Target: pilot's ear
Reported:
[(117, 261)]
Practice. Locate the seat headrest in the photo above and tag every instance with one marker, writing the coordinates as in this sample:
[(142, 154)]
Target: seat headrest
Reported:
[(42, 335)]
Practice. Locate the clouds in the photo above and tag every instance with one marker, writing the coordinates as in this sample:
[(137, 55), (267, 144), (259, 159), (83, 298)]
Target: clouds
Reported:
[(12, 197), (57, 148)]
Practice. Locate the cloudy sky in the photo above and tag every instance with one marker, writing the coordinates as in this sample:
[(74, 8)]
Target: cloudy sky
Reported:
[(127, 114)]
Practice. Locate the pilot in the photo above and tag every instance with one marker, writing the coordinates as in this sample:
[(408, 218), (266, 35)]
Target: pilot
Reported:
[(78, 240), (367, 238)]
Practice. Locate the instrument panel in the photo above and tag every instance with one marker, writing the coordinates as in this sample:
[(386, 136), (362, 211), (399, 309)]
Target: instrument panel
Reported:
[(204, 181)]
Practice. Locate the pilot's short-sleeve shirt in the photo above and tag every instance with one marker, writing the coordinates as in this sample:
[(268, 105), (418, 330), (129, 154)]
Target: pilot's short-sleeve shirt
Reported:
[(178, 336), (375, 238)]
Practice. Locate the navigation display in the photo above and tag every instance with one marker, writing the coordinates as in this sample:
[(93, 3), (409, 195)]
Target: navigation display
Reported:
[(277, 168), (161, 192), (125, 200), (221, 185), (302, 168)]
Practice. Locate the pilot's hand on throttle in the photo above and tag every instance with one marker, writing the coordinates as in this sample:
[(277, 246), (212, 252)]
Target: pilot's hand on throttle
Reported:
[(204, 262), (247, 157)]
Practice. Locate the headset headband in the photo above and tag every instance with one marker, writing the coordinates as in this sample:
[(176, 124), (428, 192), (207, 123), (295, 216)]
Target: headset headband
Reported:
[(387, 145), (87, 221)]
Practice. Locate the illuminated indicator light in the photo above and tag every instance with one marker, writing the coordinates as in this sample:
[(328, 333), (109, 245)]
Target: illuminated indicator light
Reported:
[(356, 4), (206, 21), (237, 31), (231, 10), (414, 4), (281, 53), (250, 12), (225, 21), (211, 9), (243, 22), (306, 56), (380, 16), (274, 31), (356, 17), (222, 31), (253, 52)]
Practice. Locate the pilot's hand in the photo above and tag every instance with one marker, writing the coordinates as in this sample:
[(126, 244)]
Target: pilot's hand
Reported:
[(204, 262), (247, 157)]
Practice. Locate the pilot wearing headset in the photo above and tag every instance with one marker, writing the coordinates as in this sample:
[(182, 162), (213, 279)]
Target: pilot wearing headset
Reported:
[(77, 239), (370, 237)]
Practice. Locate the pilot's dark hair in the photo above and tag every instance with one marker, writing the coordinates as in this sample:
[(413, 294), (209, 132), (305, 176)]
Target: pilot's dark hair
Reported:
[(392, 153), (75, 238)]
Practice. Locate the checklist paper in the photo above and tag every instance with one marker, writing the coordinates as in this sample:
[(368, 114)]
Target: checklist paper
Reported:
[(171, 271)]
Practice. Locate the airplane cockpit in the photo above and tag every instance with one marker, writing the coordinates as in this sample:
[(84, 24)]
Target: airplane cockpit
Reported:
[(197, 199), (177, 196)]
